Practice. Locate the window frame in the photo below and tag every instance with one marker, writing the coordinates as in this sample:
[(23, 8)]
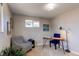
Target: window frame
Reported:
[(32, 24)]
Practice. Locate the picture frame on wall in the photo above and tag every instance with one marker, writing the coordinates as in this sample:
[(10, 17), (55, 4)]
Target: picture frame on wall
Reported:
[(9, 26), (45, 27)]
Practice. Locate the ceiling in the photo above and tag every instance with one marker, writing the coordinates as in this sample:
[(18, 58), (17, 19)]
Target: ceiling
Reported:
[(37, 9)]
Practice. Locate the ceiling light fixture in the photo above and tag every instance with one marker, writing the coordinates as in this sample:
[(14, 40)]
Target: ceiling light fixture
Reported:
[(50, 6)]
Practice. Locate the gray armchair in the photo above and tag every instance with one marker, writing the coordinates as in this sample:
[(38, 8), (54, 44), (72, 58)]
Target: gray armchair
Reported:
[(20, 43)]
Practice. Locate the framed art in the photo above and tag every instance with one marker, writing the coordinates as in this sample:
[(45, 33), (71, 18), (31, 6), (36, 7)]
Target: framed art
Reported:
[(9, 26), (45, 27)]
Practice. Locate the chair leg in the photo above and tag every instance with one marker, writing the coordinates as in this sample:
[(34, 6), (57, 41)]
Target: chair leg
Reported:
[(63, 47), (50, 44), (55, 46), (59, 45)]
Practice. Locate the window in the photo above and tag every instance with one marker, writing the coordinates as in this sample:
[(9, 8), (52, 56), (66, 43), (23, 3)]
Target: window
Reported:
[(28, 23), (31, 23), (36, 24)]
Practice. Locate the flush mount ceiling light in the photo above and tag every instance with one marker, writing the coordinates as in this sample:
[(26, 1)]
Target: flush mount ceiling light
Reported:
[(50, 6)]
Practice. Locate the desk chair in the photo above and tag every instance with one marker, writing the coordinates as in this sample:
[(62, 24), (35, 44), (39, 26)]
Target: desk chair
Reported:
[(55, 42)]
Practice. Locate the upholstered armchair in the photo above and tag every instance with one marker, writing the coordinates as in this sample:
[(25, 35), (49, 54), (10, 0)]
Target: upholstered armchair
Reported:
[(20, 43)]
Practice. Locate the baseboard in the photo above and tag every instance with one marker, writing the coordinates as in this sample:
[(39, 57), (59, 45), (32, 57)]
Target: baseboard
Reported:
[(77, 53)]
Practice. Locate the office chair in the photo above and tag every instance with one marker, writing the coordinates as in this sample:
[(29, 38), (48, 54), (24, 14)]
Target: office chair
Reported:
[(55, 42)]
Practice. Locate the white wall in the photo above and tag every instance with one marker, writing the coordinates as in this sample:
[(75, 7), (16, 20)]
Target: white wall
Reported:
[(70, 21), (0, 17), (36, 33), (4, 38)]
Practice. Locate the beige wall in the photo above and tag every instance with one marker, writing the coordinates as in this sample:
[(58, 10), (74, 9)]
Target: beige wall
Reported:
[(36, 33), (70, 21), (4, 38)]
